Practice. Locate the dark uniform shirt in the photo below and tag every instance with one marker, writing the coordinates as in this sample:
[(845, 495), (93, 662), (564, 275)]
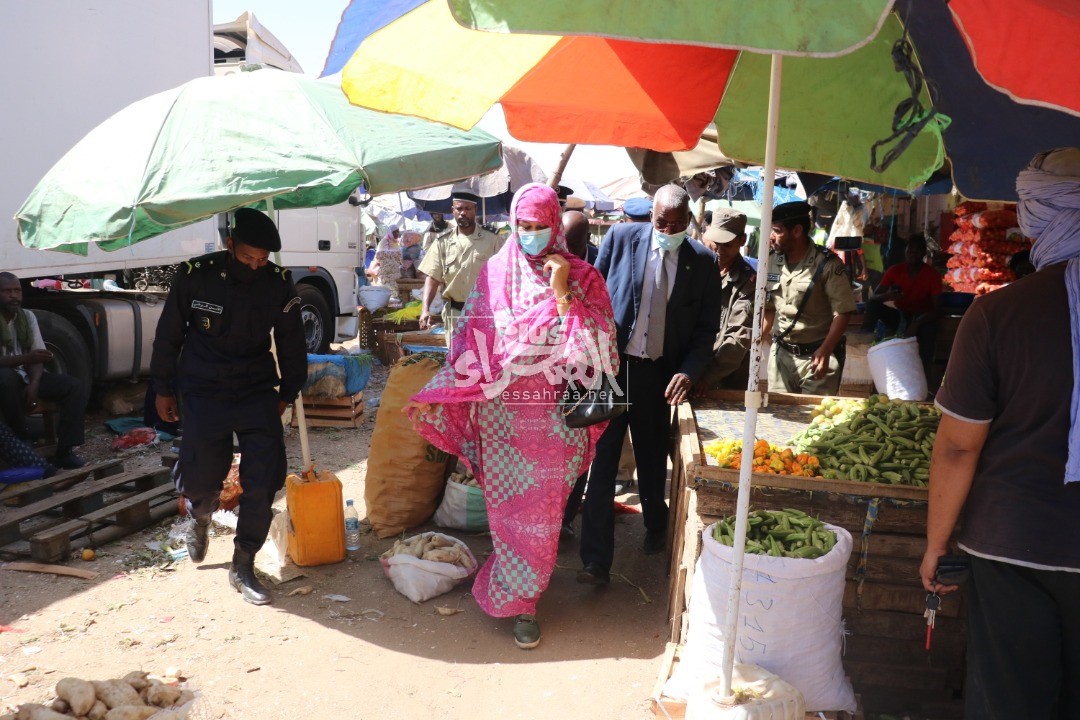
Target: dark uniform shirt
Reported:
[(730, 365), (213, 338)]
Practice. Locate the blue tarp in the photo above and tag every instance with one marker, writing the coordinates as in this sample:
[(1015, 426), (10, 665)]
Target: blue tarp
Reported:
[(357, 369)]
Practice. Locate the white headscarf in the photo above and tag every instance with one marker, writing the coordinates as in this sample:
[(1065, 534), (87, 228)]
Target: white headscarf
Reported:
[(1049, 211)]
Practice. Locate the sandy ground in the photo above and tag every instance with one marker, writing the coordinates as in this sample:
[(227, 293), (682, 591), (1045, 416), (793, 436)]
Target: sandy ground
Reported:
[(377, 655)]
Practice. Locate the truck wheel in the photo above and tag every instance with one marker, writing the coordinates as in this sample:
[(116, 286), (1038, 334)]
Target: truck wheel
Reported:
[(317, 320), (70, 354)]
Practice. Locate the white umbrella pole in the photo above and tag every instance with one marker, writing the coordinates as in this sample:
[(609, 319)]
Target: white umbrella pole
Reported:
[(298, 406), (754, 397)]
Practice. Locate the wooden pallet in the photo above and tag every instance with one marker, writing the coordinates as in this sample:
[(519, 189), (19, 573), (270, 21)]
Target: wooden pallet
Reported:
[(95, 511), (347, 411), (21, 494)]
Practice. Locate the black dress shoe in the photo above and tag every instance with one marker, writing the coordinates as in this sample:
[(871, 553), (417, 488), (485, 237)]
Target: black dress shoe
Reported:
[(593, 574), (242, 577), (198, 540), (655, 540)]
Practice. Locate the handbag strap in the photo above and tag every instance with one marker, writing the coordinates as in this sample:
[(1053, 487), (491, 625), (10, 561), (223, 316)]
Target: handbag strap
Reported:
[(805, 298)]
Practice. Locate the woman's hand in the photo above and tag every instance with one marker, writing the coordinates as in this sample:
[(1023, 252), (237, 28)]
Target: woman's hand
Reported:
[(559, 269)]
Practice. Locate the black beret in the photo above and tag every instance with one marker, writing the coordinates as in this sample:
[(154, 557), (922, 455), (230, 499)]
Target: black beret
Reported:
[(256, 230), (465, 197), (791, 212)]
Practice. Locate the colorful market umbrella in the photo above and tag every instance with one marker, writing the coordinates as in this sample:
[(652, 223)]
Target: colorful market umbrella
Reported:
[(600, 91), (218, 143), (260, 139), (833, 109), (1003, 70)]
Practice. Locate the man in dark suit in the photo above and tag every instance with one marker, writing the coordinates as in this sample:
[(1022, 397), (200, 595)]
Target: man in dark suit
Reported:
[(667, 311)]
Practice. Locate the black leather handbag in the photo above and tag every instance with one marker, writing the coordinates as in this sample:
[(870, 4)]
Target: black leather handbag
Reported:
[(582, 406)]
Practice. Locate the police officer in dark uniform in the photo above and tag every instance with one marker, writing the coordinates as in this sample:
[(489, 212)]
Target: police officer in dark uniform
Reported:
[(213, 350)]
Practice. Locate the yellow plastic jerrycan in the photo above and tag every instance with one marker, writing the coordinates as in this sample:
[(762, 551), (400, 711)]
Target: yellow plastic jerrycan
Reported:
[(316, 518)]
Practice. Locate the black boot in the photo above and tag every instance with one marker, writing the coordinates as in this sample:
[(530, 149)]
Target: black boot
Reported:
[(242, 577), (198, 539)]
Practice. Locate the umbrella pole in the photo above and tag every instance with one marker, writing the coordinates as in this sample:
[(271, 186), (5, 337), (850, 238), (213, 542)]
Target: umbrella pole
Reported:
[(754, 397), (564, 159), (298, 406)]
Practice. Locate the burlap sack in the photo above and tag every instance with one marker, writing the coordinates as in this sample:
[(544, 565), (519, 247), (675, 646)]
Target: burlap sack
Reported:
[(405, 473)]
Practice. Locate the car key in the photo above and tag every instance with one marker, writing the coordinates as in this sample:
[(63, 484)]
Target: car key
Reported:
[(933, 602)]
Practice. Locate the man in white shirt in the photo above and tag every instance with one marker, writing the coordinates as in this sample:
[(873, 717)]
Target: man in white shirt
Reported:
[(24, 382), (665, 296)]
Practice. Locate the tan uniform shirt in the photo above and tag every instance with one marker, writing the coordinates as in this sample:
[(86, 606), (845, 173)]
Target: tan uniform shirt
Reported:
[(831, 295), (455, 260)]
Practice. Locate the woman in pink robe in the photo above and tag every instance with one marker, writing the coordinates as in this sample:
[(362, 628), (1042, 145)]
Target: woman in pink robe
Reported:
[(537, 316)]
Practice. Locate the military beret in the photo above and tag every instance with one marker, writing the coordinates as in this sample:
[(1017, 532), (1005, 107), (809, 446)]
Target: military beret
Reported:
[(637, 208), (465, 196), (791, 212), (255, 229)]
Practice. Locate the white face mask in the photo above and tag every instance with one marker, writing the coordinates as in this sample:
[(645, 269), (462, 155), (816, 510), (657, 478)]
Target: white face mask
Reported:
[(669, 242), (534, 242)]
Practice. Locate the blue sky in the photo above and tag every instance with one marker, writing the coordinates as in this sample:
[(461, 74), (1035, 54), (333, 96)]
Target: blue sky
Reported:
[(305, 28)]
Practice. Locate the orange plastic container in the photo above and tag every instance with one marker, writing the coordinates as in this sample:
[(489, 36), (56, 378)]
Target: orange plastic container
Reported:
[(316, 519)]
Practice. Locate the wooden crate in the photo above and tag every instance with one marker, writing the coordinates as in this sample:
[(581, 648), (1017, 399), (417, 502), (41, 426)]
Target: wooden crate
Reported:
[(341, 412), (387, 340), (883, 601)]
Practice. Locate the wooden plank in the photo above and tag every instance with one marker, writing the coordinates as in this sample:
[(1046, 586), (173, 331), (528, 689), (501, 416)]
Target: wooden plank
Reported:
[(667, 663), (773, 398), (73, 502), (132, 513), (946, 652), (882, 568), (333, 422), (912, 678), (886, 699), (896, 598), (50, 569), (24, 493), (849, 513), (899, 625), (704, 474)]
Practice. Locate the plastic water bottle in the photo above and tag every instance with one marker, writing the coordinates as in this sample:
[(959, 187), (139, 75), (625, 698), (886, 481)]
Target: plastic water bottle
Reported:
[(352, 527)]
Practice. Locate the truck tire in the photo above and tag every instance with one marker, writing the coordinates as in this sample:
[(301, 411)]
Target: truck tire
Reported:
[(318, 321), (71, 356)]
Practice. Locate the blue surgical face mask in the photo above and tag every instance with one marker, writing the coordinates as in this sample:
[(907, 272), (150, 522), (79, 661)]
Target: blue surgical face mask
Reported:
[(534, 242), (669, 242)]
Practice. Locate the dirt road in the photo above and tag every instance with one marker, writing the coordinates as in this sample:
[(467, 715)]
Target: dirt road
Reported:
[(376, 656)]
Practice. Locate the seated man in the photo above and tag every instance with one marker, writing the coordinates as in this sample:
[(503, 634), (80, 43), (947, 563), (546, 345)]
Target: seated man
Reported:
[(730, 365), (915, 289), (23, 379)]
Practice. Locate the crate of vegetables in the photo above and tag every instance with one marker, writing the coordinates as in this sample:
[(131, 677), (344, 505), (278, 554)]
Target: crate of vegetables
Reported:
[(883, 601)]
